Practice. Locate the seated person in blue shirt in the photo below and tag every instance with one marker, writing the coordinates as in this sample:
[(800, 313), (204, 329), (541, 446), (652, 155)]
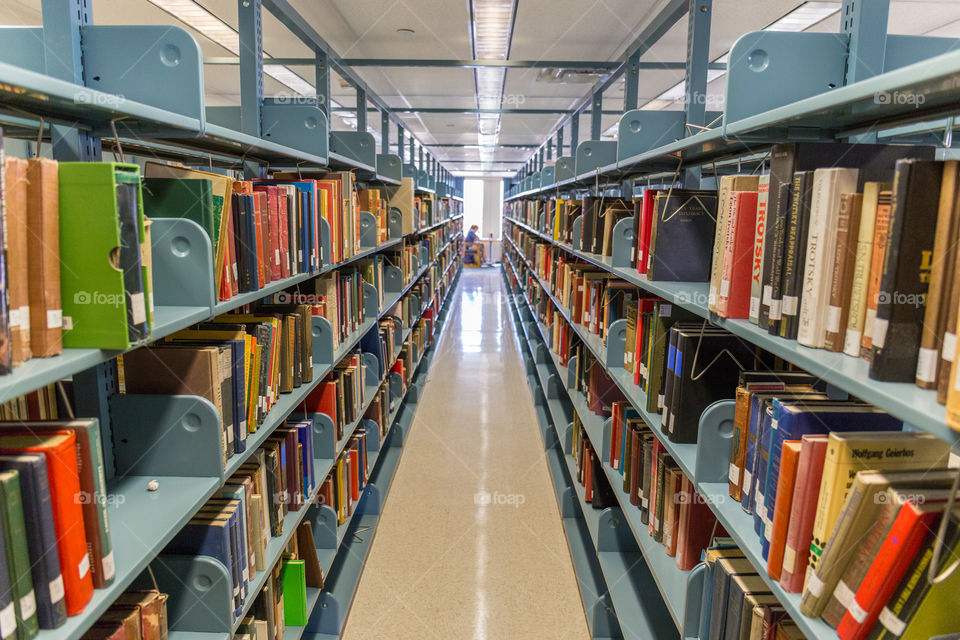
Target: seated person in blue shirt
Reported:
[(473, 240)]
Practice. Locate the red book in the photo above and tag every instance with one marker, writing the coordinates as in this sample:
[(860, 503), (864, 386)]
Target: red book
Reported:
[(615, 426), (273, 220), (803, 512), (59, 449), (646, 230), (695, 527), (789, 459), (911, 526), (322, 399), (734, 298), (355, 474)]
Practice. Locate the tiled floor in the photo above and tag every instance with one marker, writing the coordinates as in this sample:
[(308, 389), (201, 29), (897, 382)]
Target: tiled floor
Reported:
[(470, 544)]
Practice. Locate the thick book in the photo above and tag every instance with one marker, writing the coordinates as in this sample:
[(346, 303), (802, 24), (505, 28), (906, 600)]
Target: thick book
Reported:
[(15, 225), (778, 219), (856, 316), (906, 270), (794, 253), (828, 185), (43, 257), (723, 571), (803, 510), (937, 302), (8, 616), (59, 450), (17, 555), (734, 295), (780, 520), (841, 279), (647, 211), (898, 549), (739, 609), (845, 507), (41, 537), (722, 238), (685, 226), (880, 235), (294, 592)]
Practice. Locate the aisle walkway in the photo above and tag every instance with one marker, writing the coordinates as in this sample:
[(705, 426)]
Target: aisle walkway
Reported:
[(471, 543)]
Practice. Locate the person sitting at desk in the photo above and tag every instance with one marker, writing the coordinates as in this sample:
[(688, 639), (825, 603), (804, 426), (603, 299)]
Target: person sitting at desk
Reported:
[(473, 241)]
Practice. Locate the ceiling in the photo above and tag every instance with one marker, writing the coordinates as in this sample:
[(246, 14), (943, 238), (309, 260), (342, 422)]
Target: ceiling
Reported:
[(599, 30)]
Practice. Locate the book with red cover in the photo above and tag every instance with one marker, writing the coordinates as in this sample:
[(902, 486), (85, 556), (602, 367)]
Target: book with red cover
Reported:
[(283, 217), (273, 226), (322, 399), (789, 460), (697, 527), (602, 393), (262, 218), (734, 298), (896, 553), (59, 448), (636, 455), (803, 512), (355, 474), (646, 229)]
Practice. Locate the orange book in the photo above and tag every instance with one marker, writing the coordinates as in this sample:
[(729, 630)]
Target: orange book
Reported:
[(884, 204), (60, 451), (790, 456), (354, 474)]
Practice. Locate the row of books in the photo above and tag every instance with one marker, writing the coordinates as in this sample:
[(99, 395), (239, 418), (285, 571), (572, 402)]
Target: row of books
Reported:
[(736, 603), (55, 523), (134, 615), (41, 404), (282, 601), (794, 466), (236, 526)]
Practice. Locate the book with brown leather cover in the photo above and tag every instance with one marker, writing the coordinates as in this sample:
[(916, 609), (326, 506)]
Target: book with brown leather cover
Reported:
[(43, 256)]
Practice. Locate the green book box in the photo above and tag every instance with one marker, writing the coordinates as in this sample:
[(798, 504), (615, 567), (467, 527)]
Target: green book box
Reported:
[(104, 284), (294, 593)]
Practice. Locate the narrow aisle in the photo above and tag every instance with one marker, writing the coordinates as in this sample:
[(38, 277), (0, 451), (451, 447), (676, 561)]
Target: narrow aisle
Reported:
[(471, 543)]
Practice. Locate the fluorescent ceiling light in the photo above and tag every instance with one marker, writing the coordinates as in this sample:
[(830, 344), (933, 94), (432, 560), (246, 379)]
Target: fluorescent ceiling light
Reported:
[(492, 31)]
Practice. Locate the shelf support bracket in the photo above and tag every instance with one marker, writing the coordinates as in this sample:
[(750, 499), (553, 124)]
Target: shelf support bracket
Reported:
[(251, 65), (698, 54)]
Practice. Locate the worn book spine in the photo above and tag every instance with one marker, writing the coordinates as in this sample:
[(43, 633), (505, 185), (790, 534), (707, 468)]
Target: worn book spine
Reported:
[(906, 271), (884, 199), (794, 252), (17, 556), (15, 234), (721, 242), (778, 222), (944, 253), (782, 160), (43, 257), (841, 280), (861, 271)]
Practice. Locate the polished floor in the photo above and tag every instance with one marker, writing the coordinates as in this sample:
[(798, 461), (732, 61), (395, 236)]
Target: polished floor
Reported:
[(470, 543)]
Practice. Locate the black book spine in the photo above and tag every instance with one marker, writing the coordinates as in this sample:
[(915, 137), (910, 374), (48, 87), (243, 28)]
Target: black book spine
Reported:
[(782, 158), (778, 226), (795, 250), (907, 265)]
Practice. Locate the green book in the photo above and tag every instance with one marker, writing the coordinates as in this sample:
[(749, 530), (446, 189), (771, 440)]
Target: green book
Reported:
[(18, 557), (192, 199), (294, 592)]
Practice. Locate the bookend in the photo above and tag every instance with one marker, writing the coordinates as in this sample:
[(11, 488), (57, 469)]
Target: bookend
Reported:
[(394, 224), (389, 166), (371, 301), (622, 243), (367, 234), (423, 180), (159, 65), (359, 146), (182, 264), (373, 444), (534, 180), (424, 255), (613, 533), (564, 168), (577, 232), (594, 154), (568, 503), (690, 624), (155, 435), (640, 131), (541, 353), (572, 373), (607, 435), (200, 595), (415, 303), (396, 387), (372, 366), (550, 439), (325, 250), (323, 351), (568, 439), (714, 442), (392, 279), (323, 521), (324, 437), (547, 176), (604, 620), (298, 125), (432, 183), (409, 170), (616, 341)]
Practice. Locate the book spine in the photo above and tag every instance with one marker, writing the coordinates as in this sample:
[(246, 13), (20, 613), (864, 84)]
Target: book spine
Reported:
[(722, 242), (881, 224), (779, 223), (43, 257), (18, 557), (759, 250), (847, 228), (795, 245)]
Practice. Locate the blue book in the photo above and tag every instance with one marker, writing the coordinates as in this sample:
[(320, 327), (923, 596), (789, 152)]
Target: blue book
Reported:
[(795, 419), (206, 536), (41, 538), (305, 438)]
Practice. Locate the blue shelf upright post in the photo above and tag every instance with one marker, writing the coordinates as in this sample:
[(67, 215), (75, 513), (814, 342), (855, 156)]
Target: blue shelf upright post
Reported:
[(574, 131), (698, 58), (249, 13), (322, 77), (596, 115), (361, 109), (384, 131)]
